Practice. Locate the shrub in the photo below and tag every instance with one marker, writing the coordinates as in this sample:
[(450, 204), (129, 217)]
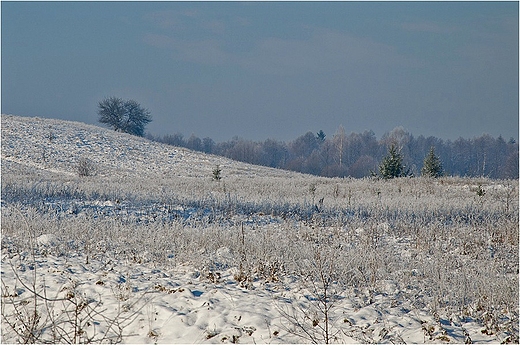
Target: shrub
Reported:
[(85, 167)]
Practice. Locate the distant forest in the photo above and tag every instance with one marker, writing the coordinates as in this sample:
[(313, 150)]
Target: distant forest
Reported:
[(359, 154)]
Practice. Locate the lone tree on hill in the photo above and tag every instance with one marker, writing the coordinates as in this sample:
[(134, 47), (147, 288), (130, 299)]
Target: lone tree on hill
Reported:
[(124, 116), (392, 165), (432, 166)]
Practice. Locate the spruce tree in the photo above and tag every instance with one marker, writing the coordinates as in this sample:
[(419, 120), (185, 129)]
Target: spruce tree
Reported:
[(392, 165), (432, 166), (216, 173)]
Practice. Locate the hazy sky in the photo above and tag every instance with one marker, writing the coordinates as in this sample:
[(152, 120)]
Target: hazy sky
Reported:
[(263, 70)]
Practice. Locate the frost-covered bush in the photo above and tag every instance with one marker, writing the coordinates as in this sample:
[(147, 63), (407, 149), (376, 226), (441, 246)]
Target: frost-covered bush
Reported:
[(85, 167)]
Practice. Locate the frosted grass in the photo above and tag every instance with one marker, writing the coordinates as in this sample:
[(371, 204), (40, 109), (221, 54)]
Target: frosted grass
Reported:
[(442, 245)]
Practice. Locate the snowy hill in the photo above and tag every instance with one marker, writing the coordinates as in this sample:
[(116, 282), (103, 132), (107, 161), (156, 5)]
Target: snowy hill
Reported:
[(135, 169), (57, 145), (146, 248)]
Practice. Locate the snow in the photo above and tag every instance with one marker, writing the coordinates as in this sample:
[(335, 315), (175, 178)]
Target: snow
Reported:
[(148, 249), (182, 305)]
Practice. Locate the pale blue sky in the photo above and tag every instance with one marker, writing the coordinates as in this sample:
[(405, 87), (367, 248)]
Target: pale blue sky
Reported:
[(263, 70)]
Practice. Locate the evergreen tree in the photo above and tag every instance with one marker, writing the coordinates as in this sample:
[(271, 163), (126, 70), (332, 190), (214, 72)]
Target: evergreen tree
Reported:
[(216, 173), (321, 136), (392, 165), (432, 166)]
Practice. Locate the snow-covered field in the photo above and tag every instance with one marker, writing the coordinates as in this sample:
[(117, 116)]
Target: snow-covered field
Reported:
[(149, 249)]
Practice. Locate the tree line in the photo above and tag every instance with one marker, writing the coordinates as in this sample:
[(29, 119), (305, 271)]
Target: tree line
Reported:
[(362, 154), (396, 153)]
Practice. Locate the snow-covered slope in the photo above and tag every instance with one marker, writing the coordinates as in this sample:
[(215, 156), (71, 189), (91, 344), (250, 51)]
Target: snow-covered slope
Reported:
[(127, 167), (57, 146)]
